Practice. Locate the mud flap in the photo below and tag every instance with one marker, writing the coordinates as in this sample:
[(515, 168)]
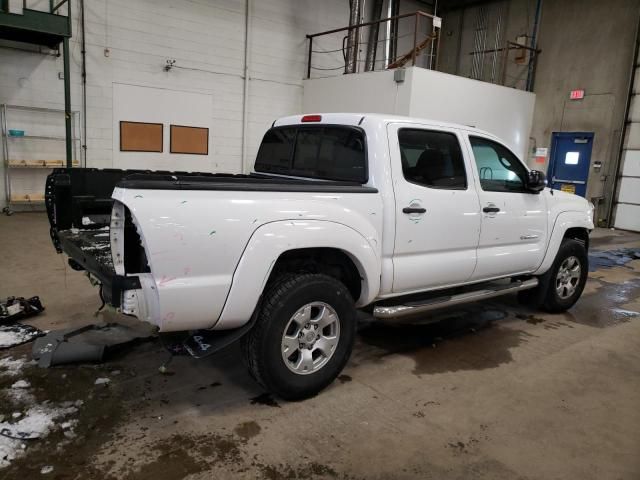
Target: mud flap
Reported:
[(202, 343)]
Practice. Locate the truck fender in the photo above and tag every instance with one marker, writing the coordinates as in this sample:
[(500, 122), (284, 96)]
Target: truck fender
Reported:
[(273, 239), (564, 221)]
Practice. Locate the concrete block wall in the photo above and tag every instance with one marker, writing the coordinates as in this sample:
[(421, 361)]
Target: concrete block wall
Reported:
[(129, 41)]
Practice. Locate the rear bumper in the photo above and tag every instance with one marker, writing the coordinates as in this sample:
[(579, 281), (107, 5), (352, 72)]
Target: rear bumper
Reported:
[(92, 251)]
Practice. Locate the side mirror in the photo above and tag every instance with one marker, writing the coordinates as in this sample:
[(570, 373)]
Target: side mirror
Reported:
[(536, 181)]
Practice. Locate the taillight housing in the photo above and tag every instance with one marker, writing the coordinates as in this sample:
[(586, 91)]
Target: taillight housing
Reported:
[(311, 118)]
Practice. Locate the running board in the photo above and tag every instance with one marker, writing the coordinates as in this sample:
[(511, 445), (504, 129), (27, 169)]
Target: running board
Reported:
[(412, 308)]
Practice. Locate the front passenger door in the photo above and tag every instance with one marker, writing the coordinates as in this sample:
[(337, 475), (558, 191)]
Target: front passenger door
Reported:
[(514, 220)]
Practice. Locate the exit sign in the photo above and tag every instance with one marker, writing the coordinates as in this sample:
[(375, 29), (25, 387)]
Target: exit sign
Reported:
[(576, 95)]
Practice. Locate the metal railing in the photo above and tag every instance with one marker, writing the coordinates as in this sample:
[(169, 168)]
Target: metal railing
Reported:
[(53, 6), (528, 57), (346, 55)]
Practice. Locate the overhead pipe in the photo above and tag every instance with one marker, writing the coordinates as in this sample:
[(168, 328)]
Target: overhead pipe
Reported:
[(372, 46), (531, 71), (84, 86), (245, 86), (392, 32), (351, 57)]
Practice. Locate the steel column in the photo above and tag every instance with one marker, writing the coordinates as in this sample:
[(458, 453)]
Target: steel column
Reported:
[(67, 102)]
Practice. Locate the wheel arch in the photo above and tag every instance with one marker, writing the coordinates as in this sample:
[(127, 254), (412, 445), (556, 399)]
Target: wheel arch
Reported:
[(310, 246), (574, 225), (581, 234), (330, 261)]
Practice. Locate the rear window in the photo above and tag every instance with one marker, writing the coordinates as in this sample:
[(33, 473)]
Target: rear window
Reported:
[(323, 152)]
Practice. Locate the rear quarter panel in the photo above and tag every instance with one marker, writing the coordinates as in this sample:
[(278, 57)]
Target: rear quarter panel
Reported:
[(195, 239)]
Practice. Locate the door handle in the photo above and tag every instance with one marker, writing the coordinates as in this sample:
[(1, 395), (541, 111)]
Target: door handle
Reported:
[(414, 210), (491, 209)]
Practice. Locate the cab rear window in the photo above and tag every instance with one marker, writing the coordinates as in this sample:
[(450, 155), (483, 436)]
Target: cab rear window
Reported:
[(322, 152)]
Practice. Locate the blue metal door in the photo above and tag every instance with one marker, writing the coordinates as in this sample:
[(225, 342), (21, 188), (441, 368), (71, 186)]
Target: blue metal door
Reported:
[(569, 161)]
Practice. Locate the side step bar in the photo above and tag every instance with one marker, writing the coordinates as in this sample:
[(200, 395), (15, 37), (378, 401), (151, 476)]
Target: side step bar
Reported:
[(412, 308)]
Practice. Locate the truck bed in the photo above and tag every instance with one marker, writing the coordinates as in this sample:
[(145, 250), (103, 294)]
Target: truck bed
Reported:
[(81, 197)]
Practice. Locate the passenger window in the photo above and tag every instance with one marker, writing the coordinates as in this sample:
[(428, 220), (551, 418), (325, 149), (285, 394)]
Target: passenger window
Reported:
[(432, 159), (498, 168)]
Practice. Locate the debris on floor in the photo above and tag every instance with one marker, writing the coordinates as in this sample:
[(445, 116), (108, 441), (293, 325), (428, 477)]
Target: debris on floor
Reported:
[(17, 308), (11, 367), (612, 258), (12, 335), (90, 343), (37, 422)]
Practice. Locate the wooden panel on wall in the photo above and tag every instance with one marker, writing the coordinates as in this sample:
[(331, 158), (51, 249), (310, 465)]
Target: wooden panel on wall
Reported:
[(140, 137), (192, 140)]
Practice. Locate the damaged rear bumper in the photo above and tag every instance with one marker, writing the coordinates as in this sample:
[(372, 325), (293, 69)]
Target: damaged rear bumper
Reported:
[(91, 250)]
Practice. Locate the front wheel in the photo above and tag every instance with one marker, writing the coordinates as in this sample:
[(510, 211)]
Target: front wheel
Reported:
[(560, 287), (303, 337)]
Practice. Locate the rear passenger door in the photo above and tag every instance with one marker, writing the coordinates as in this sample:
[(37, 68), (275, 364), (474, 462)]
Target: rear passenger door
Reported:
[(514, 220), (437, 209)]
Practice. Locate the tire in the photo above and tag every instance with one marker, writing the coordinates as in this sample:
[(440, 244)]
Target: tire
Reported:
[(549, 295), (277, 362)]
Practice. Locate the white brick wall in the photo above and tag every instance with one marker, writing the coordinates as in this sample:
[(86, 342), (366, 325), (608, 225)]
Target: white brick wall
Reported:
[(206, 37)]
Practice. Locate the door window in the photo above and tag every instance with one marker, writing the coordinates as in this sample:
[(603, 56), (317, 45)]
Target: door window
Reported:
[(498, 168), (432, 159), (571, 158)]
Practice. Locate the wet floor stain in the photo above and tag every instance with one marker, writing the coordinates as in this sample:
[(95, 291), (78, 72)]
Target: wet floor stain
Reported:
[(469, 339), (181, 455), (605, 308), (612, 258), (247, 430), (265, 399), (529, 318), (344, 378), (306, 471)]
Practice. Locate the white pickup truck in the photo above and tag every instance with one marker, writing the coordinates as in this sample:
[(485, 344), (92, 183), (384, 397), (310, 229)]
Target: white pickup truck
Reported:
[(396, 216)]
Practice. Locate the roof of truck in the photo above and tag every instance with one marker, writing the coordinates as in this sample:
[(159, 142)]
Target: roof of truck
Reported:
[(359, 118)]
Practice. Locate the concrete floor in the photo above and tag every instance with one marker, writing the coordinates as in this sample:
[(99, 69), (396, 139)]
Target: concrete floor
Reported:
[(494, 391)]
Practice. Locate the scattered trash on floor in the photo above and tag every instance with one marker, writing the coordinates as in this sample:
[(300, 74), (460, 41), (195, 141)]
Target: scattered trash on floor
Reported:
[(46, 469), (612, 258), (17, 308), (37, 422), (625, 313), (91, 343), (11, 367), (21, 384), (17, 334), (102, 381)]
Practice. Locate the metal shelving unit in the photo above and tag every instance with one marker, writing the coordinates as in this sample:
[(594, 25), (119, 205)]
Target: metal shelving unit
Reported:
[(17, 148)]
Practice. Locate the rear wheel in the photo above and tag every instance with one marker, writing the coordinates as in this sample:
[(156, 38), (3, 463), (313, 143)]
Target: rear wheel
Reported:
[(560, 287), (303, 336)]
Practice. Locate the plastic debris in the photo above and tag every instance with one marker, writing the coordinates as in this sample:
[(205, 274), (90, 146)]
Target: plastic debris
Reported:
[(16, 308), (102, 381), (17, 334), (46, 469), (90, 343)]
